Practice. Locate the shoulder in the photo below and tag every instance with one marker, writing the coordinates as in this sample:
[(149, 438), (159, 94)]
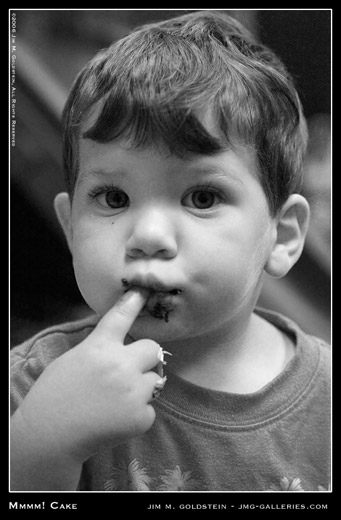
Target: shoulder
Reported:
[(29, 359), (314, 351), (55, 340), (289, 326)]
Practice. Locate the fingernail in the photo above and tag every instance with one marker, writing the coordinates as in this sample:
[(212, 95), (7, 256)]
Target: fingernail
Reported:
[(161, 354), (130, 296), (162, 362), (139, 290), (159, 386)]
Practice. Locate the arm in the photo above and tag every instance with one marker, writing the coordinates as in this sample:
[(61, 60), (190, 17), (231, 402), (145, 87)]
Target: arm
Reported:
[(35, 465), (94, 396)]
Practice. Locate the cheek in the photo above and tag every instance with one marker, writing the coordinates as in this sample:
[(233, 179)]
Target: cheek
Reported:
[(227, 291), (96, 264), (229, 266)]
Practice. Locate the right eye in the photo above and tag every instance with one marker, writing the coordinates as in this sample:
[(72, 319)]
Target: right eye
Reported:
[(116, 199), (109, 196)]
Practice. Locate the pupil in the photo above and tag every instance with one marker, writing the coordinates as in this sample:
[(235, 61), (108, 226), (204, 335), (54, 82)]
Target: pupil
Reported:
[(116, 199), (203, 199)]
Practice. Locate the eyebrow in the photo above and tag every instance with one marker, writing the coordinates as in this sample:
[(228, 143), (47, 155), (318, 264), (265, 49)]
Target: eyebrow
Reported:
[(228, 175), (216, 171), (86, 174), (103, 173)]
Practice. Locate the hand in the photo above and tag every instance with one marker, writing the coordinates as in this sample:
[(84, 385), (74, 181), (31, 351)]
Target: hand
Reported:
[(97, 394)]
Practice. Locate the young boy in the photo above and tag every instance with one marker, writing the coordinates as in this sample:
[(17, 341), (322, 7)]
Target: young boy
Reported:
[(183, 150)]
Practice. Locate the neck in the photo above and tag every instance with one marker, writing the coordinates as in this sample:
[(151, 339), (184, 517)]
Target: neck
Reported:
[(242, 358)]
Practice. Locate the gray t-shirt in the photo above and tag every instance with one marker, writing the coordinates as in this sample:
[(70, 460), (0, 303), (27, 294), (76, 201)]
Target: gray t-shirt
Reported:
[(276, 439)]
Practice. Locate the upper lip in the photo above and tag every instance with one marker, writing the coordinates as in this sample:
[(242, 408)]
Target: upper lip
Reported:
[(151, 282)]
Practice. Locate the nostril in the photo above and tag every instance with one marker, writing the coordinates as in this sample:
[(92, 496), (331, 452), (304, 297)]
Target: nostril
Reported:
[(136, 253), (150, 253), (163, 253), (175, 292)]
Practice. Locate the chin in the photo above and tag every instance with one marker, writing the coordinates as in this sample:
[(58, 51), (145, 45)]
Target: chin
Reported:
[(157, 329)]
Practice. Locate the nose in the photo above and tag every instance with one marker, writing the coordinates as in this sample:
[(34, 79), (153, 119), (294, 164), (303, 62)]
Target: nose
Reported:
[(152, 236)]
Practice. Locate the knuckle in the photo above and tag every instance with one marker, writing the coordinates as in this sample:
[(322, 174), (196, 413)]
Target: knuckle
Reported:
[(122, 311), (144, 413), (149, 345), (154, 378), (146, 418), (151, 415)]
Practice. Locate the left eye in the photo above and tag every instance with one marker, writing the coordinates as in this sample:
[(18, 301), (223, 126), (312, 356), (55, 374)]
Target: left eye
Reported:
[(202, 198)]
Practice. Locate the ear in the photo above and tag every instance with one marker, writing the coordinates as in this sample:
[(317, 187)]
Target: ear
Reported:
[(62, 206), (291, 229)]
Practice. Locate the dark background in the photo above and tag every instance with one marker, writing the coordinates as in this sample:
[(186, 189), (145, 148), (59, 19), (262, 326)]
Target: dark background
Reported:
[(51, 47)]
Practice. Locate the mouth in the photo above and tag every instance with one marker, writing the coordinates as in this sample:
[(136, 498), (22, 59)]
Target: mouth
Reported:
[(160, 302)]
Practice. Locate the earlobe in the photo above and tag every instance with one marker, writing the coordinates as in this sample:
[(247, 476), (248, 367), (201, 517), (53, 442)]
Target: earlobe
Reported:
[(62, 206), (291, 229)]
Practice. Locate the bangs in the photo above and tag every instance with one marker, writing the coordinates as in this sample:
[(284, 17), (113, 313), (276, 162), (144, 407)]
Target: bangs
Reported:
[(180, 130)]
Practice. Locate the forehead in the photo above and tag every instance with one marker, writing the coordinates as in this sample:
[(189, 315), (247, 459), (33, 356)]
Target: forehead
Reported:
[(94, 155)]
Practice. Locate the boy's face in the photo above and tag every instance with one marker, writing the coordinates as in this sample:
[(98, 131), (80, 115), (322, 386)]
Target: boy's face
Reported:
[(199, 225)]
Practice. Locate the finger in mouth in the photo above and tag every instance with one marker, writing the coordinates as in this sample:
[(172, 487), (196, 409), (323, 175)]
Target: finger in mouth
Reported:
[(159, 304)]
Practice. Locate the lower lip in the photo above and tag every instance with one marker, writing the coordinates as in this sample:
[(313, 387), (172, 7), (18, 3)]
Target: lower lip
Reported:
[(159, 307), (146, 314)]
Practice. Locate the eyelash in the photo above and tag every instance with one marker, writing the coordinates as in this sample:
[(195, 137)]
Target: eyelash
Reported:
[(203, 188), (105, 189), (206, 188)]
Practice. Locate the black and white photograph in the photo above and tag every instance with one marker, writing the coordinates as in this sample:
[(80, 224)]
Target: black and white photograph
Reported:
[(170, 258)]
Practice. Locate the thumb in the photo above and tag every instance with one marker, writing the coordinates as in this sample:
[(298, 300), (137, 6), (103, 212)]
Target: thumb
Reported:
[(117, 322)]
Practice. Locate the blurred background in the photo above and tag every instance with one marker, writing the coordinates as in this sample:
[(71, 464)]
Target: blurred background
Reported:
[(51, 46)]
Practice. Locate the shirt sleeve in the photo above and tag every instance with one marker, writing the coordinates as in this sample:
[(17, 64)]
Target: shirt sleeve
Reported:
[(26, 366), (31, 358)]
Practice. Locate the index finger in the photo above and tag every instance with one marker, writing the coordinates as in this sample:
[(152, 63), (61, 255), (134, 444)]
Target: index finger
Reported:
[(119, 319)]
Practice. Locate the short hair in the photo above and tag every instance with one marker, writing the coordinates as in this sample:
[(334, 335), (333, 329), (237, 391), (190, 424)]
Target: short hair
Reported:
[(154, 83)]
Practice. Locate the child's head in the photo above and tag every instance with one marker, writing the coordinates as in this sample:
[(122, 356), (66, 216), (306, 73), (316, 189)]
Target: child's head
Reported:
[(183, 149), (156, 84)]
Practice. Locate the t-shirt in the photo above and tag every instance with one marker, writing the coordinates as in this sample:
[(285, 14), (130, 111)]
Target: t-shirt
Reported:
[(275, 439)]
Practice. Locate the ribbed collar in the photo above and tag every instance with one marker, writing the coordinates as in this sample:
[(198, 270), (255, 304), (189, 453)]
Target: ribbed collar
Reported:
[(229, 410)]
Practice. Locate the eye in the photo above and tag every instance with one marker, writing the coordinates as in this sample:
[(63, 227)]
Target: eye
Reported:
[(116, 199), (110, 196), (203, 197)]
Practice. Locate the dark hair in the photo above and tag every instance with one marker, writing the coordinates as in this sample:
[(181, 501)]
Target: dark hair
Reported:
[(154, 84)]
